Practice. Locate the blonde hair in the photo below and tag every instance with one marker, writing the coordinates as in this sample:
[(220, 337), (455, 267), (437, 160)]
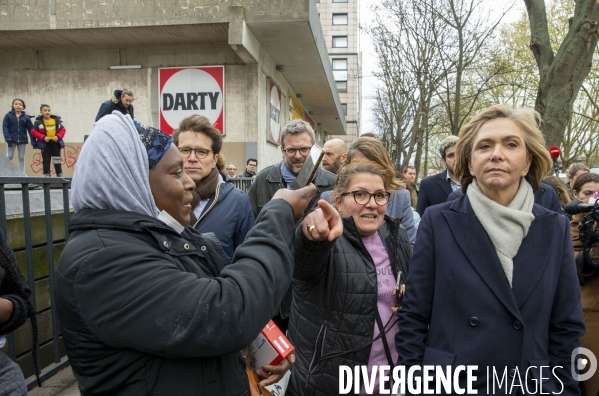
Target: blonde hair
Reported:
[(375, 152), (563, 193), (528, 120)]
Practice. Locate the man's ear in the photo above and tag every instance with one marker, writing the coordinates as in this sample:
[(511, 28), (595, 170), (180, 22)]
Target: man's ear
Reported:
[(343, 158)]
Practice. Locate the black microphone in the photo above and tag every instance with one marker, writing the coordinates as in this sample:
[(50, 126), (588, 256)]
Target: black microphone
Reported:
[(576, 206)]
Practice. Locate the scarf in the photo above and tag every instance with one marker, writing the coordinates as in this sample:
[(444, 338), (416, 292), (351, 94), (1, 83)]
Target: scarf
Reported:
[(506, 226), (288, 175), (112, 170), (205, 188)]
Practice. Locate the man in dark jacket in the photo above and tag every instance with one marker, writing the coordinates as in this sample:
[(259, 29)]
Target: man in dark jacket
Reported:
[(297, 138), (217, 206), (122, 100), (250, 168), (435, 189)]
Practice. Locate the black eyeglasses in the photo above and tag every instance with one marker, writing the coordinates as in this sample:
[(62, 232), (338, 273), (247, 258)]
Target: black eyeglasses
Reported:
[(200, 152), (302, 150), (363, 197)]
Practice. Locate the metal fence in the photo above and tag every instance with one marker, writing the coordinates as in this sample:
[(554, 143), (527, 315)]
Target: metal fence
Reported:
[(242, 183), (27, 185)]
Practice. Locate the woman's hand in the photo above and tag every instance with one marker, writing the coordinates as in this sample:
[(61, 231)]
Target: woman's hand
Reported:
[(323, 224), (55, 138), (5, 310), (273, 374), (46, 139)]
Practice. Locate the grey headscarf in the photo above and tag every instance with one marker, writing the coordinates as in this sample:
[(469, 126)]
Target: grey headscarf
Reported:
[(112, 171)]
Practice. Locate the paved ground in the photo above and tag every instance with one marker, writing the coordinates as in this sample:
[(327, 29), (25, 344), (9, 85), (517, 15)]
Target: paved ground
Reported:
[(61, 384)]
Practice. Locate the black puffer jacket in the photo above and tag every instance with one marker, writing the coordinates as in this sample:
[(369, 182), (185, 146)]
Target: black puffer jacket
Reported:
[(335, 302), (146, 311)]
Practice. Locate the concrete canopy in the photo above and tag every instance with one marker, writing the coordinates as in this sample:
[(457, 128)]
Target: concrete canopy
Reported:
[(297, 45), (288, 32)]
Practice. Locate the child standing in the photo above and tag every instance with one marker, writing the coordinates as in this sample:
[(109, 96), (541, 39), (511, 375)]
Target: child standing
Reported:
[(49, 132), (15, 126)]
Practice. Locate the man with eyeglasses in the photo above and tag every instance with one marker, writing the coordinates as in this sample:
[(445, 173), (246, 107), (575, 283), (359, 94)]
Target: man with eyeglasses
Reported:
[(250, 168), (217, 206), (231, 170), (296, 138), (250, 171)]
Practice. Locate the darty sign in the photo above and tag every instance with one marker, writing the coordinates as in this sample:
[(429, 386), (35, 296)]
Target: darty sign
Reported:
[(184, 91)]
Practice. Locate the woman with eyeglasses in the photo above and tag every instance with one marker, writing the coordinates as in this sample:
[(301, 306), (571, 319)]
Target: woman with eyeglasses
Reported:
[(344, 290), (492, 281), (369, 150)]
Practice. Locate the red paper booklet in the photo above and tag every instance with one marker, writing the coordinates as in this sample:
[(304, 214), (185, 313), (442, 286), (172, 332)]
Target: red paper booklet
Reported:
[(270, 347)]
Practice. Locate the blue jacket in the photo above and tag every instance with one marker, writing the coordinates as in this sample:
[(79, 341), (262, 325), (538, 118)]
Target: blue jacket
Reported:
[(459, 309), (229, 215), (545, 196), (16, 131), (433, 191)]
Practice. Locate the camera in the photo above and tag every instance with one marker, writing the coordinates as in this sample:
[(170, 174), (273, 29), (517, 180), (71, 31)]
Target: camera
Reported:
[(588, 236)]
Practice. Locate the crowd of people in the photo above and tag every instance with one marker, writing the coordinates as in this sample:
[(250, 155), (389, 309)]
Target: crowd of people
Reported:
[(170, 272)]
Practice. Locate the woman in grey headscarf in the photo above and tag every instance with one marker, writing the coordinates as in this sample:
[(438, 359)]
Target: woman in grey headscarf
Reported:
[(146, 305)]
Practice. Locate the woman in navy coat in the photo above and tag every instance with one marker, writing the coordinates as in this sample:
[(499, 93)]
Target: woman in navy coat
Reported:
[(492, 281)]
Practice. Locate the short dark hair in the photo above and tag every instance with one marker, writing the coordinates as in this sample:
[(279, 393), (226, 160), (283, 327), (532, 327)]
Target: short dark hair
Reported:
[(20, 100), (44, 105), (251, 159), (199, 124)]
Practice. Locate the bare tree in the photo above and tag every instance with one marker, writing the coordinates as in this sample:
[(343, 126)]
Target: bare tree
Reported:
[(405, 35), (561, 73), (471, 31)]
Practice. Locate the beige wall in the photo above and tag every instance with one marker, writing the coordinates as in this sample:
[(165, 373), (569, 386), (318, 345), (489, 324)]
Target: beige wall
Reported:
[(33, 159)]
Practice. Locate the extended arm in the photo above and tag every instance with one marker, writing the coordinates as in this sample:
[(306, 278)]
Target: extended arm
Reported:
[(153, 306)]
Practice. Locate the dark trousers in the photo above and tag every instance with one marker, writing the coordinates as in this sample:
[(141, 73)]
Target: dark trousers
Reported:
[(51, 152)]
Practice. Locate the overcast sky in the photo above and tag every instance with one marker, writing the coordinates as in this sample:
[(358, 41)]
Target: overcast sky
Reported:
[(369, 58)]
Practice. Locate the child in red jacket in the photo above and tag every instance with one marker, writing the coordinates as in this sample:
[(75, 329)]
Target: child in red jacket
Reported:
[(49, 132)]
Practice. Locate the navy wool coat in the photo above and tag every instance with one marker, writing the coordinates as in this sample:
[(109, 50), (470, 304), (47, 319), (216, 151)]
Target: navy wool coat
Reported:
[(459, 308), (433, 190)]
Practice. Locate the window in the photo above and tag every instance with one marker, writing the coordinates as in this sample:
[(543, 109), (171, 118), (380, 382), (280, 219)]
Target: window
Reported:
[(344, 107), (339, 41), (339, 1), (340, 64), (340, 69), (339, 19), (341, 86)]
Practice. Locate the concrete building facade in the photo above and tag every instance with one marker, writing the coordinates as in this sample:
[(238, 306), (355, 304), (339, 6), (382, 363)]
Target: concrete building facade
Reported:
[(72, 55), (340, 21)]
